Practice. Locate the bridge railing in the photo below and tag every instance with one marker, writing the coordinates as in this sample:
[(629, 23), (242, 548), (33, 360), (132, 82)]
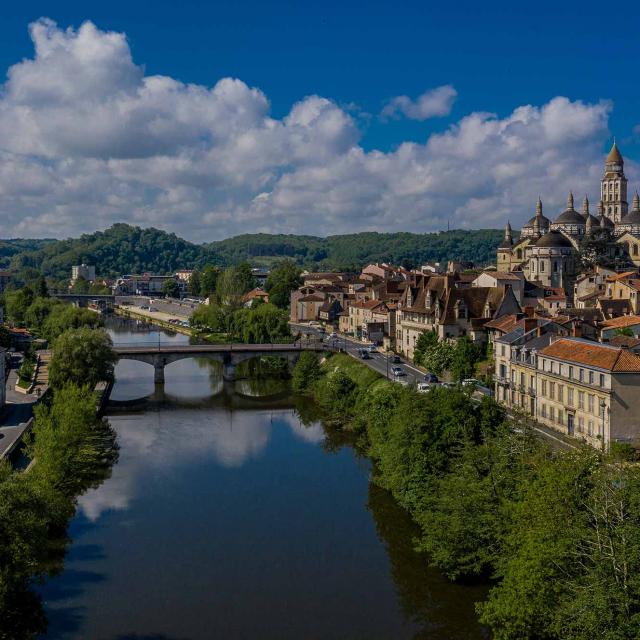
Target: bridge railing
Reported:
[(155, 346)]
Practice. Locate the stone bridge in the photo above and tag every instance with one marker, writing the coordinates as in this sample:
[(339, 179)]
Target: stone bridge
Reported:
[(230, 355)]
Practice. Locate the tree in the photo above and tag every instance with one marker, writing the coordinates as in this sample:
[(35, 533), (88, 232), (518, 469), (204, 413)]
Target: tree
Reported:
[(81, 286), (65, 316), (625, 331), (306, 372), (464, 357), (195, 283), (83, 356), (426, 341), (208, 280), (233, 283), (17, 303), (438, 357), (171, 288), (282, 280), (41, 288)]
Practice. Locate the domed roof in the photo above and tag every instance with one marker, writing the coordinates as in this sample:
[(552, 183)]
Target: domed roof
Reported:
[(633, 217), (553, 239), (570, 216), (543, 221), (615, 155)]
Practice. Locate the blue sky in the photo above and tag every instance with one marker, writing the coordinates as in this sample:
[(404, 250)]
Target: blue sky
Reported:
[(359, 56)]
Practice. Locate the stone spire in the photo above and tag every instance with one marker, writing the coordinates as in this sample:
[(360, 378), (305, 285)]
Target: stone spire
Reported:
[(508, 235), (601, 214), (585, 206), (589, 226), (536, 226), (636, 202), (570, 200), (539, 207)]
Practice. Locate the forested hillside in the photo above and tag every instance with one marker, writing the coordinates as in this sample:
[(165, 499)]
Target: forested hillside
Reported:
[(120, 249), (353, 250), (9, 248), (126, 249)]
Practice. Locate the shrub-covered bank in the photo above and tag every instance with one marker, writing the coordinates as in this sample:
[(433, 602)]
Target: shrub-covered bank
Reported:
[(558, 533)]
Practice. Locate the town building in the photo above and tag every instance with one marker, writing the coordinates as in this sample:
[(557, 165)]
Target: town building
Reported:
[(589, 390), (435, 303)]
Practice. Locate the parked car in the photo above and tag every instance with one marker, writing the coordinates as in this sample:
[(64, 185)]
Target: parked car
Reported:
[(431, 377), (423, 387), (332, 336), (398, 371), (372, 348), (364, 354), (448, 385), (471, 382), (395, 358)]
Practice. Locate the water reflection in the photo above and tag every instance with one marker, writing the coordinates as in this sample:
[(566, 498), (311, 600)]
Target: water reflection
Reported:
[(157, 442)]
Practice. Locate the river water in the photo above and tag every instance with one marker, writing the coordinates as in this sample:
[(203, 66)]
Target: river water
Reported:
[(234, 515)]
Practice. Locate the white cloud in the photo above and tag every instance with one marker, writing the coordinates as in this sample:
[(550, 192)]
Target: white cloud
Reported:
[(431, 104), (87, 139)]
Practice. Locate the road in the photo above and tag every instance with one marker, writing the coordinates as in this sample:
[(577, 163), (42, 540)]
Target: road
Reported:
[(379, 361)]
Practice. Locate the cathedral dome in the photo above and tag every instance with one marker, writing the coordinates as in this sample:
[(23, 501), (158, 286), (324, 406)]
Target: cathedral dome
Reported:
[(553, 239), (570, 216)]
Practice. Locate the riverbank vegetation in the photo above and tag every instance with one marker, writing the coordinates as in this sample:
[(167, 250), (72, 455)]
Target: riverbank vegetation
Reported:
[(556, 533), (46, 317), (71, 450), (74, 450)]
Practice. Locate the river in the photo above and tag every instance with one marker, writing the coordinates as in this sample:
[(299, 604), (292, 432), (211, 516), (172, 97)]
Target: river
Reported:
[(229, 515)]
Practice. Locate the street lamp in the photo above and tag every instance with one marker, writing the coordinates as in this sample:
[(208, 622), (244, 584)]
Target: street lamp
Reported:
[(603, 405)]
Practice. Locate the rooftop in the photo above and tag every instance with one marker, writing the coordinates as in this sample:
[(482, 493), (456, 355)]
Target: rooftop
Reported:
[(594, 354)]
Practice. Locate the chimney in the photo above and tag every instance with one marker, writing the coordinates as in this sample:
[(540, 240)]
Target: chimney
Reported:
[(530, 324), (577, 330)]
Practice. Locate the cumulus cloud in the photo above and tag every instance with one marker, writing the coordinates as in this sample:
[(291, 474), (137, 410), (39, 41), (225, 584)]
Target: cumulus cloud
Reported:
[(87, 139), (431, 104)]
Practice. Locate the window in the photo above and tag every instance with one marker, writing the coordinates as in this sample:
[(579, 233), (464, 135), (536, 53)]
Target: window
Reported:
[(580, 399), (580, 424), (541, 266), (581, 375), (591, 376), (570, 396), (571, 372), (555, 266), (544, 387), (591, 404), (502, 351), (552, 414), (522, 379), (560, 416), (560, 393), (590, 428), (543, 411), (552, 390), (602, 380)]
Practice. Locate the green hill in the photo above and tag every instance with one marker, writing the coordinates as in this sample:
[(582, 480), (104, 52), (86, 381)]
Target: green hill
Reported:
[(125, 249)]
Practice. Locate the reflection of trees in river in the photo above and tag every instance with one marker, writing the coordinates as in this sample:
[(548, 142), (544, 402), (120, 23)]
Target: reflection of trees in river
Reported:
[(444, 610)]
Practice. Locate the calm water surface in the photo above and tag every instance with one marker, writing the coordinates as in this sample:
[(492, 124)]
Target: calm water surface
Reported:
[(227, 516)]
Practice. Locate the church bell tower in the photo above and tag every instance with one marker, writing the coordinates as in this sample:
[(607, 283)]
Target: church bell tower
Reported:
[(613, 187)]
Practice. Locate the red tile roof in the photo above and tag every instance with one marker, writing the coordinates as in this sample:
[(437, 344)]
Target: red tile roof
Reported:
[(623, 321), (593, 354)]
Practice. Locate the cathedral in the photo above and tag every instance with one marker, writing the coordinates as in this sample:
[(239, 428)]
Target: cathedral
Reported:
[(553, 252)]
